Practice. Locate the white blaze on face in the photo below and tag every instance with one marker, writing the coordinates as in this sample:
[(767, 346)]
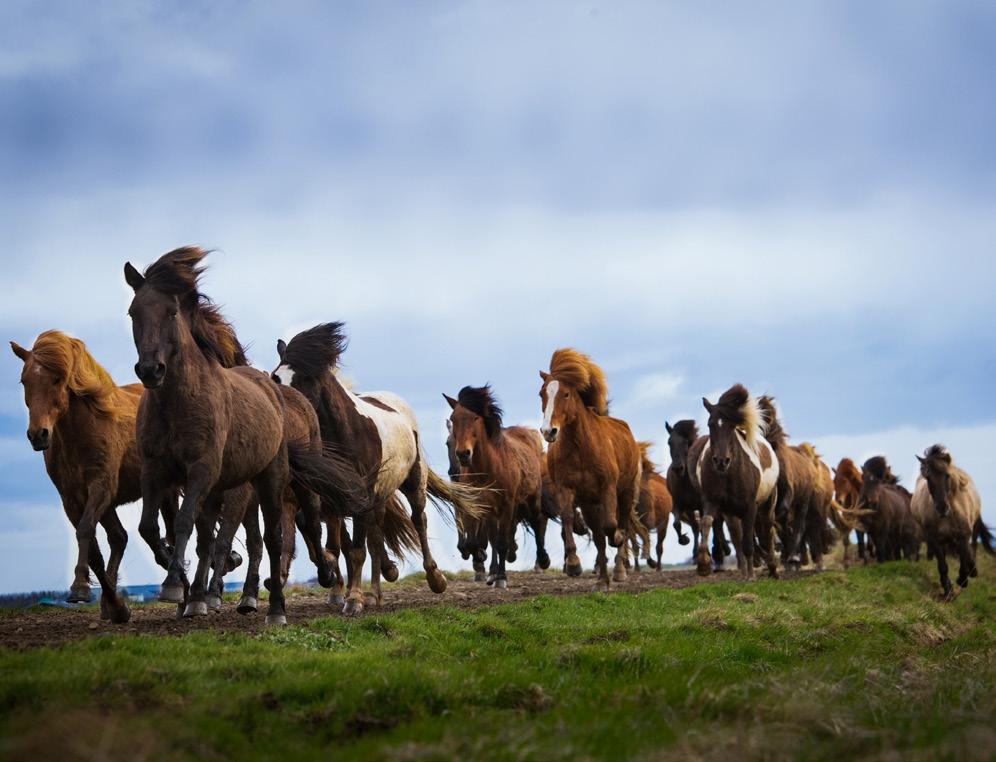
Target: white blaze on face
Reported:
[(551, 398), (284, 374)]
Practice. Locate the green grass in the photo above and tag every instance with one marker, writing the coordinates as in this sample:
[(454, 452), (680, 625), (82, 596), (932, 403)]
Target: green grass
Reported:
[(858, 664)]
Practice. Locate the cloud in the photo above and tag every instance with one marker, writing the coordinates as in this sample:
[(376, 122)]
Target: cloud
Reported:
[(656, 388)]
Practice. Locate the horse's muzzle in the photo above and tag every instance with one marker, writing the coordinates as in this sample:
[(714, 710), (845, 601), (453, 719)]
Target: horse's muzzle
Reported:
[(550, 435), (40, 439), (151, 374)]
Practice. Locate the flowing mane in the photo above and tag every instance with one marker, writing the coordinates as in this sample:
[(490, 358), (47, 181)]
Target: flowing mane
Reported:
[(578, 370), (69, 359), (774, 433), (648, 465), (687, 429), (480, 400), (315, 352), (878, 467), (737, 405), (177, 273)]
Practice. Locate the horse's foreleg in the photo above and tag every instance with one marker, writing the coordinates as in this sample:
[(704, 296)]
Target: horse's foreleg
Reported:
[(539, 525), (254, 547), (765, 522), (375, 546), (357, 557), (205, 523), (233, 510), (703, 561), (414, 490), (309, 523), (966, 560), (270, 486), (568, 528), (98, 500)]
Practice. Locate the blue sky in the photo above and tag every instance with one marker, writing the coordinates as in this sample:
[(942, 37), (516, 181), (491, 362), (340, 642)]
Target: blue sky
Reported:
[(796, 196)]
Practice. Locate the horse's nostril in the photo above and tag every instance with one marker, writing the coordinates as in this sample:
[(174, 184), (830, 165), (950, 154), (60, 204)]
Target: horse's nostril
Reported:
[(43, 434), (161, 369)]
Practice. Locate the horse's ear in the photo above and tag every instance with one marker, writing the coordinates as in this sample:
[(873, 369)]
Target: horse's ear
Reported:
[(707, 404), (20, 351), (453, 402), (281, 348), (922, 460), (133, 277), (544, 376), (668, 427), (834, 470)]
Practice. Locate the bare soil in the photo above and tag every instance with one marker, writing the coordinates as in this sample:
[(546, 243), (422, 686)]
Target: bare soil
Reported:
[(34, 628)]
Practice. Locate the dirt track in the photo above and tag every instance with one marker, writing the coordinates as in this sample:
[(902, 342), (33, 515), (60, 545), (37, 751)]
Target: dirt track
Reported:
[(32, 629)]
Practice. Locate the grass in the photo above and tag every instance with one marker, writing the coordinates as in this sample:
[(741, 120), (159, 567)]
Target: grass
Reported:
[(864, 663)]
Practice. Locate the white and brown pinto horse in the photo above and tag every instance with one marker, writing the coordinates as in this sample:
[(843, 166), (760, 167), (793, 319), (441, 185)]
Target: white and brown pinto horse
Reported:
[(593, 458), (509, 462), (948, 508), (738, 474), (378, 431)]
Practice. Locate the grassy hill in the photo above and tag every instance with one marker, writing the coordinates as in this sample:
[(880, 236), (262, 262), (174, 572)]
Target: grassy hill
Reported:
[(864, 663)]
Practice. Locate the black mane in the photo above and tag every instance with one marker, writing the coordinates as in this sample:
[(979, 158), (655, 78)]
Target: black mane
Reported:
[(686, 429), (315, 352), (480, 400), (878, 467), (730, 405)]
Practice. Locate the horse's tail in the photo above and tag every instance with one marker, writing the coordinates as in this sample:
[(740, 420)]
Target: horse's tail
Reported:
[(457, 500), (846, 519), (985, 536), (549, 505), (400, 535), (333, 478)]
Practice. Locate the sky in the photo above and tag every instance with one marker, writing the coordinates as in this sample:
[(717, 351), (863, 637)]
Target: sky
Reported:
[(795, 196)]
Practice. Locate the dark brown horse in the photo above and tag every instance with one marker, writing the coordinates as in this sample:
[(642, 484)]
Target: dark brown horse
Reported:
[(379, 434), (949, 511), (738, 474), (205, 428), (685, 446), (889, 519), (507, 462), (85, 424), (592, 457)]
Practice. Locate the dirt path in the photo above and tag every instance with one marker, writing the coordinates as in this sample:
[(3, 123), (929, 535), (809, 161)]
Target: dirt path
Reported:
[(27, 629)]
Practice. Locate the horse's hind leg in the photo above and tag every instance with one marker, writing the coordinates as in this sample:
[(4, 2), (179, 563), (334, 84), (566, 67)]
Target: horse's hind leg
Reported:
[(966, 561), (334, 529), (270, 485), (375, 546), (357, 557), (309, 523), (234, 504), (539, 525), (414, 489), (765, 523), (569, 525), (254, 547)]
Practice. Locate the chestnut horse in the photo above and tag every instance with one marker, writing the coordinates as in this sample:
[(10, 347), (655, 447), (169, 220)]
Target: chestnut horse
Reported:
[(509, 462), (379, 434), (653, 508), (949, 511), (593, 458), (85, 424), (847, 489), (737, 471), (205, 428), (888, 518)]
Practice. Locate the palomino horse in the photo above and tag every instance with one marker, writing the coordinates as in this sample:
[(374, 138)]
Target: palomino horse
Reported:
[(206, 429), (509, 462), (949, 511), (377, 432), (592, 458), (653, 508), (738, 474), (847, 489), (803, 504), (888, 517), (85, 423), (686, 446)]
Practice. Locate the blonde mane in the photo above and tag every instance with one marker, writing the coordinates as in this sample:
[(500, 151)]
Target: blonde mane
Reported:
[(740, 407), (577, 370), (69, 359)]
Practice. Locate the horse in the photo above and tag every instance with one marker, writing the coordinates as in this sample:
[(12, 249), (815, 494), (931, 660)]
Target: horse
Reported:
[(847, 489), (206, 428), (379, 433), (889, 519), (593, 458), (738, 472), (85, 424), (509, 462), (803, 505), (685, 446), (948, 509), (654, 508)]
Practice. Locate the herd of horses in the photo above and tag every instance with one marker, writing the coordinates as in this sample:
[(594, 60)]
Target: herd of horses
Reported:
[(209, 443)]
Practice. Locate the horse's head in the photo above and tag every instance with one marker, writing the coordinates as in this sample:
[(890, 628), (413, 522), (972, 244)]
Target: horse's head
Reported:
[(156, 318), (875, 475), (454, 468), (680, 438), (561, 406), (308, 360), (46, 394), (730, 417), (476, 417), (936, 469)]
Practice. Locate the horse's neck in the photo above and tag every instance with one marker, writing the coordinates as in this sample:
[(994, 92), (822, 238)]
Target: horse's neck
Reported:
[(338, 407), (76, 427)]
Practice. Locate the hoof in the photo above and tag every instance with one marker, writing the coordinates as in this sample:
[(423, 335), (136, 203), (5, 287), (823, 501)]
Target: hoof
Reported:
[(337, 600), (353, 607), (79, 595), (501, 584), (602, 586), (171, 594), (276, 620), (619, 575), (436, 580), (390, 573), (213, 602), (480, 576), (573, 567), (683, 539), (247, 605), (120, 614), (195, 608), (234, 562), (543, 561), (537, 569), (105, 609), (704, 570)]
